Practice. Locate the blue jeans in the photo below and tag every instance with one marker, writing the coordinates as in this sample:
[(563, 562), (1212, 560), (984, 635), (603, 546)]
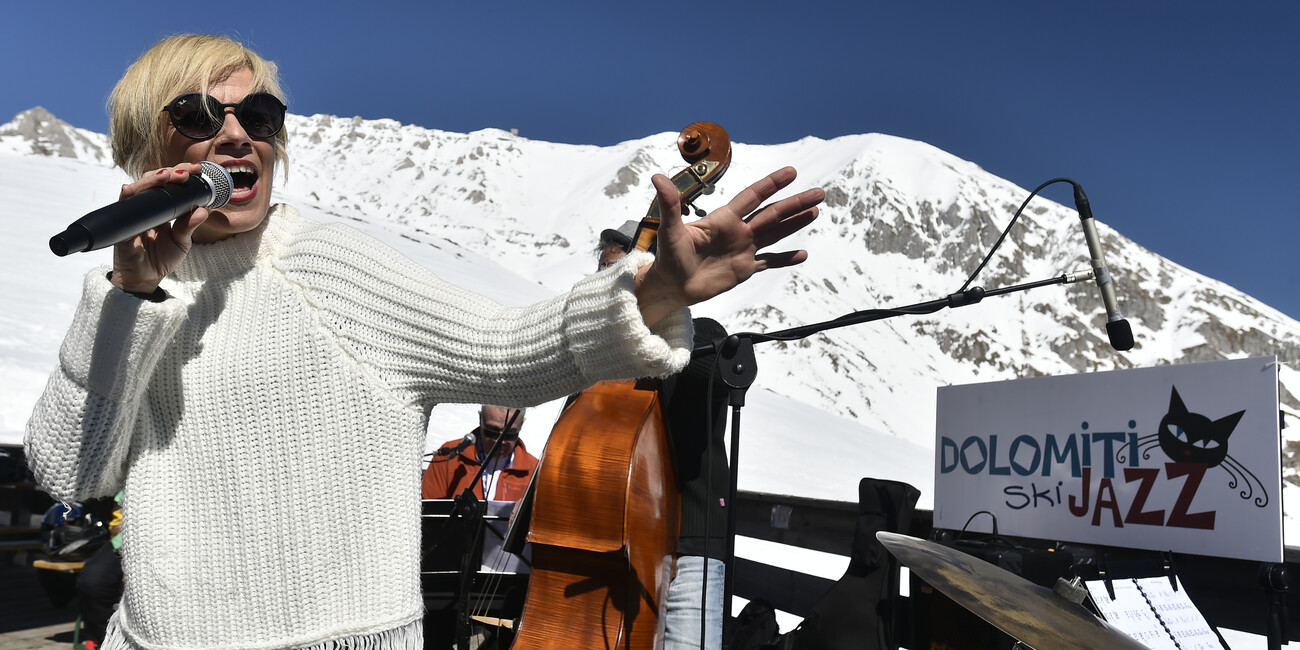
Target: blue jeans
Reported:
[(682, 613)]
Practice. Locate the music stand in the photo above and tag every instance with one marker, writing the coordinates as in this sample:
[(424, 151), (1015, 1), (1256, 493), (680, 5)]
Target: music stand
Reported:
[(497, 582)]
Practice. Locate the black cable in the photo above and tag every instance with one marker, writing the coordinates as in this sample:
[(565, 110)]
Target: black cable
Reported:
[(964, 296), (1007, 230)]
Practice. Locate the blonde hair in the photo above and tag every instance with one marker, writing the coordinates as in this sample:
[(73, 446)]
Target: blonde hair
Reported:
[(174, 66)]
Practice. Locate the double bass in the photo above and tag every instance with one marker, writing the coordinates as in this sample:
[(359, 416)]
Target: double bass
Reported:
[(605, 506)]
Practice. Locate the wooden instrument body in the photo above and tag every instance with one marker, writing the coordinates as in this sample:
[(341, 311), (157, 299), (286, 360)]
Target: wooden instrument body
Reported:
[(604, 525), (605, 508)]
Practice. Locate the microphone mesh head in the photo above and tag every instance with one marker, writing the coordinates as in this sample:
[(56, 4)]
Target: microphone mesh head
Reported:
[(219, 181)]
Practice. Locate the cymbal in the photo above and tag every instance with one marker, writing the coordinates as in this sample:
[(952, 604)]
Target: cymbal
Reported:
[(1034, 615)]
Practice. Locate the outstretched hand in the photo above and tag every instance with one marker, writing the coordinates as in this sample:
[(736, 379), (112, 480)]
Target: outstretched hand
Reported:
[(705, 258)]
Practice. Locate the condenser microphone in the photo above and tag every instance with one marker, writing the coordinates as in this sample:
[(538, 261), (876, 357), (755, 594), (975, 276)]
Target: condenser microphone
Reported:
[(149, 209), (464, 444), (1117, 328)]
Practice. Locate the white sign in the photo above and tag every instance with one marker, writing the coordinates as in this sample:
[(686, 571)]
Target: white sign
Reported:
[(1175, 458)]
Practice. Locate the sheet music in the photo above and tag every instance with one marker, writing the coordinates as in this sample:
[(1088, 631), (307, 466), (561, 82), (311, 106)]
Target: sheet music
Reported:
[(495, 559), (1151, 612), (1180, 615), (496, 520)]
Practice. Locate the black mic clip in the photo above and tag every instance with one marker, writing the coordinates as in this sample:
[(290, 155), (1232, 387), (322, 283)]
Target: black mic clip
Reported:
[(967, 297)]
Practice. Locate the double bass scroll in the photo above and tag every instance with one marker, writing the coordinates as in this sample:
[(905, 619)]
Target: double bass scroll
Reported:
[(706, 148)]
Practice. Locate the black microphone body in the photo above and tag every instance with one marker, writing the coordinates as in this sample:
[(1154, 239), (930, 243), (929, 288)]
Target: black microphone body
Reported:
[(149, 209), (464, 444), (1117, 328)]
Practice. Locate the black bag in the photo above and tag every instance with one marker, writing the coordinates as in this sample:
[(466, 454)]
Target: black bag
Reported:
[(755, 628), (862, 609)]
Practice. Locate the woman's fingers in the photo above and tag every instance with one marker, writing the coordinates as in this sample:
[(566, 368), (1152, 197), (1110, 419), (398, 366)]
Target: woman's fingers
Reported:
[(141, 262), (784, 218)]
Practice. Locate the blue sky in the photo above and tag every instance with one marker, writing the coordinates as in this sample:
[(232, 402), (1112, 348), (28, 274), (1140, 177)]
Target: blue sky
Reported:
[(1179, 119)]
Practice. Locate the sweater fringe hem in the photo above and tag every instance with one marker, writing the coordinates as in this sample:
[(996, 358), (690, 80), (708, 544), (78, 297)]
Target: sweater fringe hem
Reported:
[(409, 636)]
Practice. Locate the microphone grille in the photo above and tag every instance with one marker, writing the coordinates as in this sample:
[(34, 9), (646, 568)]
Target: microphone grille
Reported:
[(219, 181)]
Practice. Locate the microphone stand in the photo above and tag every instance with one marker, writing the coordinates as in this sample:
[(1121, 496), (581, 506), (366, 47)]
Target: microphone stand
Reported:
[(472, 512), (737, 367)]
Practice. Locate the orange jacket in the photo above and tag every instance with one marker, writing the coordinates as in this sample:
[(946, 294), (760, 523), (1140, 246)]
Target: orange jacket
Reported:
[(446, 479)]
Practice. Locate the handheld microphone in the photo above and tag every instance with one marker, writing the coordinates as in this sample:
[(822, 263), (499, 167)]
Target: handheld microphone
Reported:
[(464, 444), (149, 209), (1117, 328)]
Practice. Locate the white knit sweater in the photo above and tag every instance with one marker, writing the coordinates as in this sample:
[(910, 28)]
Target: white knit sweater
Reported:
[(267, 422)]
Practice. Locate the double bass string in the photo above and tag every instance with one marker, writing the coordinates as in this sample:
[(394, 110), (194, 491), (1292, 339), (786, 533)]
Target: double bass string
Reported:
[(481, 606)]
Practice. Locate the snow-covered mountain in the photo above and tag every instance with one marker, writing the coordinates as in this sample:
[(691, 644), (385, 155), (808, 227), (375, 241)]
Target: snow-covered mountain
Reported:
[(517, 219), (903, 222)]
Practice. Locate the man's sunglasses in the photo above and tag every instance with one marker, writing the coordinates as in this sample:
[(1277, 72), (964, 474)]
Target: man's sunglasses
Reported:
[(493, 433), (513, 424), (200, 116)]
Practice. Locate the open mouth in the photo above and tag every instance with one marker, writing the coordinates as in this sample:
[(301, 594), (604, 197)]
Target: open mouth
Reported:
[(244, 178)]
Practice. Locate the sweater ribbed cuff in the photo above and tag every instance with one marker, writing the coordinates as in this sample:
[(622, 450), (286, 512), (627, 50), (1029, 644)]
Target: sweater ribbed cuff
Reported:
[(607, 300)]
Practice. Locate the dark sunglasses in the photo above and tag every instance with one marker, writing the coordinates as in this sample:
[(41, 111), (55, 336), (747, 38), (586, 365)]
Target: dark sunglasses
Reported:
[(513, 424), (492, 433), (200, 116)]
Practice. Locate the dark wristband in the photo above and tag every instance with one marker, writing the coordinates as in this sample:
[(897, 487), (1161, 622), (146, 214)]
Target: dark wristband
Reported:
[(158, 295)]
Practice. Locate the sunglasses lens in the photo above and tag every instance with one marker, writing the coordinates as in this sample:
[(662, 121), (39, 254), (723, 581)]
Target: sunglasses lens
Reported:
[(492, 433), (261, 114), (192, 118), (200, 117)]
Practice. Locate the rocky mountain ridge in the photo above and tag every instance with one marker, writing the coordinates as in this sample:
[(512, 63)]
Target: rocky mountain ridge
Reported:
[(903, 222)]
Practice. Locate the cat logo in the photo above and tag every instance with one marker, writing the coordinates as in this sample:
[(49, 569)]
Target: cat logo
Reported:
[(1188, 437), (1194, 444)]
